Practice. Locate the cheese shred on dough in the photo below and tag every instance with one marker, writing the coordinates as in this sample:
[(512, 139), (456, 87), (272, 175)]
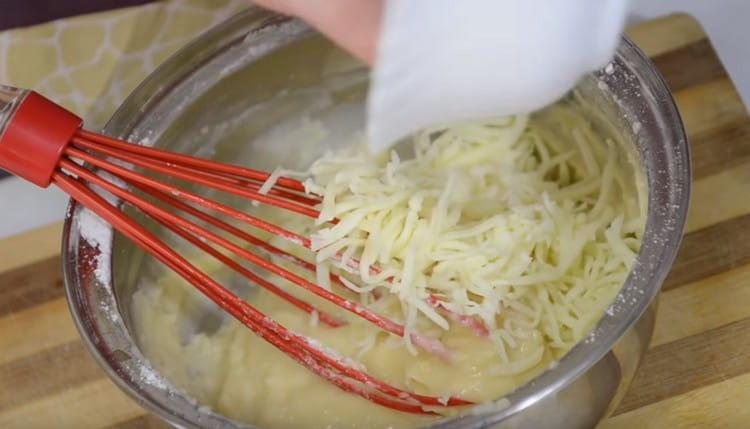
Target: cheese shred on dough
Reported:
[(497, 221), (525, 228)]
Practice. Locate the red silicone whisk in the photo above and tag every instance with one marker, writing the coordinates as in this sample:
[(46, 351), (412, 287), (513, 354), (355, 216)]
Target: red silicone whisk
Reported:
[(45, 144)]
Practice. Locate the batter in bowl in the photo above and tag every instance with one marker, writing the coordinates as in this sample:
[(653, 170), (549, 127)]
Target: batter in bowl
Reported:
[(527, 226)]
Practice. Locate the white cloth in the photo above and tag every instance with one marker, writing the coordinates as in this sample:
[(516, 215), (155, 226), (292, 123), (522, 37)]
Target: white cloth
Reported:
[(445, 61)]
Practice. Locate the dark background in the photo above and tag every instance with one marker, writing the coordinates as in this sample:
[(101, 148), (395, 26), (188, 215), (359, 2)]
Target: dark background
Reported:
[(21, 13)]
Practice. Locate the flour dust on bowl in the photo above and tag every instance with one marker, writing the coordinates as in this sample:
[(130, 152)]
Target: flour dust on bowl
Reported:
[(265, 92)]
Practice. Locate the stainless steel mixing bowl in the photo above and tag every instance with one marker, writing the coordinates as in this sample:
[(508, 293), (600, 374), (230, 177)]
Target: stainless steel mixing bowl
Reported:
[(216, 97)]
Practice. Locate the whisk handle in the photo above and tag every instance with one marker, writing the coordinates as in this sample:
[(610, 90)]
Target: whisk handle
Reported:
[(33, 134)]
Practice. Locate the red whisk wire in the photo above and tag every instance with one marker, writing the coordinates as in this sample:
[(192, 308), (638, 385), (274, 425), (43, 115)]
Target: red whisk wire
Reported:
[(324, 317), (189, 161), (166, 169), (130, 175), (48, 152), (383, 323), (476, 326), (267, 247), (298, 347)]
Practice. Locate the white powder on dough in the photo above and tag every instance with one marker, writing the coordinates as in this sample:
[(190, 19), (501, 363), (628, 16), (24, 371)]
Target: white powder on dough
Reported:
[(96, 231), (98, 234), (151, 377)]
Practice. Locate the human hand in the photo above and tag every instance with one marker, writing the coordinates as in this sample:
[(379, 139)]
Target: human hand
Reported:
[(352, 24)]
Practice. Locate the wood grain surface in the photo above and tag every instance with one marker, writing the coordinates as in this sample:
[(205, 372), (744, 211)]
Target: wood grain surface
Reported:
[(695, 375)]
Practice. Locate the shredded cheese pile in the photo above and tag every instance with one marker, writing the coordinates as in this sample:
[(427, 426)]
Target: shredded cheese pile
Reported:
[(530, 230)]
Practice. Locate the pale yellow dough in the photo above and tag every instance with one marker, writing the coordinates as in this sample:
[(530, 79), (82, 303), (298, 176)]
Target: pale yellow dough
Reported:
[(240, 375), (228, 368)]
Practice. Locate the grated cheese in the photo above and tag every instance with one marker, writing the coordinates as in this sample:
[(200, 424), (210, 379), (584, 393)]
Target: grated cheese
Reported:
[(270, 181), (499, 219)]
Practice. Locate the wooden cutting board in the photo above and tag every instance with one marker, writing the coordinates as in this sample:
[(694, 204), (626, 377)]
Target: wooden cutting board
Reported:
[(695, 375)]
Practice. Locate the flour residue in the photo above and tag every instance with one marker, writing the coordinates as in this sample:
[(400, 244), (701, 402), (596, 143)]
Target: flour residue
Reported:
[(98, 234)]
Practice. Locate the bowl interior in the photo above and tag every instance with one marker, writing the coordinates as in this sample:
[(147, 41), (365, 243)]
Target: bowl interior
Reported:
[(235, 105), (290, 107)]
